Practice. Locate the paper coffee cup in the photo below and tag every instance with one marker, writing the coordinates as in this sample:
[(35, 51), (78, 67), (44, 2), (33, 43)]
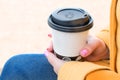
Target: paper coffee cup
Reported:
[(70, 27)]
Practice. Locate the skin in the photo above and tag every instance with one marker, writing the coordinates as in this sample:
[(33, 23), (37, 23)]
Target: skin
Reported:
[(94, 50)]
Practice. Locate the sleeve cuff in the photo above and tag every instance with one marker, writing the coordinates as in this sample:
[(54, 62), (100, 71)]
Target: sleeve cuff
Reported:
[(78, 70)]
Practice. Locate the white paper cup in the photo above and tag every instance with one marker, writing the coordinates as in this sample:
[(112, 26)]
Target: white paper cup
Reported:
[(70, 27)]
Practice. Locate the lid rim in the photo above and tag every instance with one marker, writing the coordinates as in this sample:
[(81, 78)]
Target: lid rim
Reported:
[(70, 29), (81, 22)]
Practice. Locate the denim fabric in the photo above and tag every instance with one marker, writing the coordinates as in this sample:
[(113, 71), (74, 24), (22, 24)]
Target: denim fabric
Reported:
[(28, 67)]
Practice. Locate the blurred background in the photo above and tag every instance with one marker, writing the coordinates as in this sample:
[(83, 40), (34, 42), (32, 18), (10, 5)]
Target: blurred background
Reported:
[(24, 28)]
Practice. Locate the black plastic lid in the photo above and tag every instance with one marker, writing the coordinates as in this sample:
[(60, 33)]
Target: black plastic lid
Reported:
[(70, 20)]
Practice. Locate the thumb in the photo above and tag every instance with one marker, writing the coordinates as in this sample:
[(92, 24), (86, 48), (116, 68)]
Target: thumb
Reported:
[(54, 61), (51, 58), (88, 49)]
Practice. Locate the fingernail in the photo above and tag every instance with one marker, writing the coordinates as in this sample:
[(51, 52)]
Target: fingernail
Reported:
[(49, 35), (84, 52), (47, 49)]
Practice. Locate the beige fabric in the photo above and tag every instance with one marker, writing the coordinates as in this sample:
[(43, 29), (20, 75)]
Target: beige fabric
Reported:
[(78, 70)]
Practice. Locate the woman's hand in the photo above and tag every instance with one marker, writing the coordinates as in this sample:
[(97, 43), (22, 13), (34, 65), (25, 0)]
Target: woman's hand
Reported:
[(94, 50)]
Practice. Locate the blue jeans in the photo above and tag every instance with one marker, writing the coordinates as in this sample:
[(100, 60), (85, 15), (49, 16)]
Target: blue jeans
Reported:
[(28, 67)]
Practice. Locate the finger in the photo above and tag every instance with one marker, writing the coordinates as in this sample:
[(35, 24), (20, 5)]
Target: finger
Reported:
[(92, 58), (53, 60), (50, 47), (88, 48), (96, 55)]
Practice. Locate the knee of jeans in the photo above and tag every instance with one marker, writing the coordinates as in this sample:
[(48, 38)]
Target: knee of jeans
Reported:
[(12, 61), (26, 65), (22, 58), (22, 62)]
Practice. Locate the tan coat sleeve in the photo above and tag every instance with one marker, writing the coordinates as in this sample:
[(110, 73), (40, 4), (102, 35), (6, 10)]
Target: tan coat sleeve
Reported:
[(86, 71), (103, 75), (78, 70)]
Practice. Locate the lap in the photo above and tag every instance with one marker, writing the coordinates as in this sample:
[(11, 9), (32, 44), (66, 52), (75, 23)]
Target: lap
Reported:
[(28, 67)]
